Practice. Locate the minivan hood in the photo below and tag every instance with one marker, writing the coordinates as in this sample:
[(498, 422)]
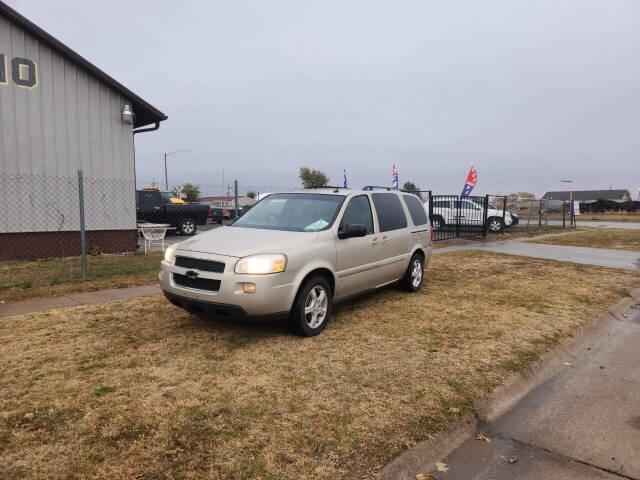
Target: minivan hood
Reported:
[(240, 241)]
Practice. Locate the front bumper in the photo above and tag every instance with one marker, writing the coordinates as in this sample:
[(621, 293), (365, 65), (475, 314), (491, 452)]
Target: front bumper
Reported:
[(220, 310), (274, 293)]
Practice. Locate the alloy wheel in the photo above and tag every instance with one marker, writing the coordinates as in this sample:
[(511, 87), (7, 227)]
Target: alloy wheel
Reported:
[(315, 307)]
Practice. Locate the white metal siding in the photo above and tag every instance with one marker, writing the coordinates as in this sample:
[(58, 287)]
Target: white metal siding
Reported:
[(70, 121)]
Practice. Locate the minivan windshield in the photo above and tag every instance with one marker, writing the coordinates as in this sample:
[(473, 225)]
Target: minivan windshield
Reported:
[(295, 212)]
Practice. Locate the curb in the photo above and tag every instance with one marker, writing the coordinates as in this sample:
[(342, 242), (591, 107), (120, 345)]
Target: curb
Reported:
[(422, 457), (425, 454)]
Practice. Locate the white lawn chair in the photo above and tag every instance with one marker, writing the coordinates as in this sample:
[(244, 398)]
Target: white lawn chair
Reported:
[(153, 234)]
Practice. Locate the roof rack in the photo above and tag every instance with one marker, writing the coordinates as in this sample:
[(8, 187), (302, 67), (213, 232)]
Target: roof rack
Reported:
[(376, 187), (335, 187)]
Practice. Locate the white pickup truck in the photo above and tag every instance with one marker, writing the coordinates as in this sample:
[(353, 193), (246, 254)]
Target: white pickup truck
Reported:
[(467, 212)]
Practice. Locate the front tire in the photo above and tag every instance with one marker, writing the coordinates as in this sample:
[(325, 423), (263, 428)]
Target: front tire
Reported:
[(312, 307), (495, 224), (187, 227), (412, 280)]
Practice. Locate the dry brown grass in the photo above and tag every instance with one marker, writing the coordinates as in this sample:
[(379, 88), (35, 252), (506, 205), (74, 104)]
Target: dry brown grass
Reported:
[(22, 280), (141, 389), (625, 239)]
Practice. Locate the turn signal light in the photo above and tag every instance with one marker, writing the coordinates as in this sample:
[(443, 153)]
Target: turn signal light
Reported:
[(248, 287)]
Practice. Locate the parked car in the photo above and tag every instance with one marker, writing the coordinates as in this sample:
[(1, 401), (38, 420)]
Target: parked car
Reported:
[(467, 212), (293, 255), (155, 206)]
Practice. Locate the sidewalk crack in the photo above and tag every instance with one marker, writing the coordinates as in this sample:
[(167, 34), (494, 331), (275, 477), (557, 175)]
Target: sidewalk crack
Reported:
[(582, 462)]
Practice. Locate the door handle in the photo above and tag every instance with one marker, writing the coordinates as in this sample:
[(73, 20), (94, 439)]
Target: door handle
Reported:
[(374, 241), (156, 208)]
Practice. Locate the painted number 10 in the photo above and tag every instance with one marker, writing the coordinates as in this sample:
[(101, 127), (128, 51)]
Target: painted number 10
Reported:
[(24, 72)]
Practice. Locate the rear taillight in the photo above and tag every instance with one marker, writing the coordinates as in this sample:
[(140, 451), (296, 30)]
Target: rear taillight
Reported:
[(431, 235)]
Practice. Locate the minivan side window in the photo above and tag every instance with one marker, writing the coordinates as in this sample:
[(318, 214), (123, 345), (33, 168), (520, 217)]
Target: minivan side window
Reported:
[(358, 211), (416, 210), (390, 212)]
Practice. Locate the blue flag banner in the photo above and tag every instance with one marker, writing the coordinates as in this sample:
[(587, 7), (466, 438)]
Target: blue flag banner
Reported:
[(394, 172), (345, 178)]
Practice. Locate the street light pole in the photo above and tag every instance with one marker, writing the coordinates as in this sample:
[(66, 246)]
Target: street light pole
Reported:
[(166, 177), (572, 216)]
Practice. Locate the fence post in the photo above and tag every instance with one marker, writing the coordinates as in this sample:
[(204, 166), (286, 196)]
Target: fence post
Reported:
[(484, 215), (83, 246), (430, 208), (540, 215), (235, 195), (564, 211), (504, 212)]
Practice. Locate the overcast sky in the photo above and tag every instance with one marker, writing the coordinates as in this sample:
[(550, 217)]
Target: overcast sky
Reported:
[(528, 92)]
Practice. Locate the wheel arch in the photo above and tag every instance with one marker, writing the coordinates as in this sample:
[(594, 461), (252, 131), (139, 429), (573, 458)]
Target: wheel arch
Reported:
[(319, 270)]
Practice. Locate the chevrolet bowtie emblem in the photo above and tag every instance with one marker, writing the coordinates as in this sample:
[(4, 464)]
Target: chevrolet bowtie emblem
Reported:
[(192, 274)]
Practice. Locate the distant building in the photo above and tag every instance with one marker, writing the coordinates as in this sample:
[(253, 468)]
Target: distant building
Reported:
[(227, 201), (590, 195)]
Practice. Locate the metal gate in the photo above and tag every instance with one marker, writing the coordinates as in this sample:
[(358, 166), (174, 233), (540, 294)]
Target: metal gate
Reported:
[(454, 216)]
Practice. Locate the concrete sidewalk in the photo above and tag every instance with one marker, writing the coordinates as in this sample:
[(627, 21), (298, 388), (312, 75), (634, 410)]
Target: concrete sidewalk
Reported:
[(583, 422), (603, 257), (75, 299), (575, 416)]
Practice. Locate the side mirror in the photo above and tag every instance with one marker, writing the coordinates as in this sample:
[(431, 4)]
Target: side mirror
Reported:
[(352, 230)]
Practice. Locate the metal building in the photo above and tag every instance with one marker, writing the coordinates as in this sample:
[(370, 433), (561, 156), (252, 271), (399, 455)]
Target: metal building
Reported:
[(60, 114)]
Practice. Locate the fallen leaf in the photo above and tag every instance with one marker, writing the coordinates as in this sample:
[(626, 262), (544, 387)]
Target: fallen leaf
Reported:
[(625, 315), (442, 467), (454, 410), (568, 364), (601, 367), (482, 437), (512, 460), (425, 476), (28, 415)]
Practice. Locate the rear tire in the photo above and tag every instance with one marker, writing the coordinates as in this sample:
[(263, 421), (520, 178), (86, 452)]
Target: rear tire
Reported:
[(412, 280), (187, 227), (312, 307), (495, 224)]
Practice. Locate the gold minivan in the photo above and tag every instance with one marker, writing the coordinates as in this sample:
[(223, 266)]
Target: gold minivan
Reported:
[(295, 254)]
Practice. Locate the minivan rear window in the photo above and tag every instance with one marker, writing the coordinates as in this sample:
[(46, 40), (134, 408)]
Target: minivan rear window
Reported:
[(390, 212), (416, 210)]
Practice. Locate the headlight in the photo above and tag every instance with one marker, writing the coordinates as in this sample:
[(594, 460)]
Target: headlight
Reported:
[(169, 253), (262, 264)]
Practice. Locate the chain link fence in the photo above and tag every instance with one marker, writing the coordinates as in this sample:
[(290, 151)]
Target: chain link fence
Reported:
[(56, 229), (535, 214)]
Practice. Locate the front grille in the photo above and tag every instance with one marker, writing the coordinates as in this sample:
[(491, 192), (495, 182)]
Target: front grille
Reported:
[(198, 264), (198, 283)]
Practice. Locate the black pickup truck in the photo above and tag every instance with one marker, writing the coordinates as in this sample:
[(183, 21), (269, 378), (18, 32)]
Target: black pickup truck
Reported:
[(154, 206)]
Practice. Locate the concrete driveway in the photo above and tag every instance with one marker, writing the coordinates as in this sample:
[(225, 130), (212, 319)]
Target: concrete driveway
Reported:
[(602, 257)]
